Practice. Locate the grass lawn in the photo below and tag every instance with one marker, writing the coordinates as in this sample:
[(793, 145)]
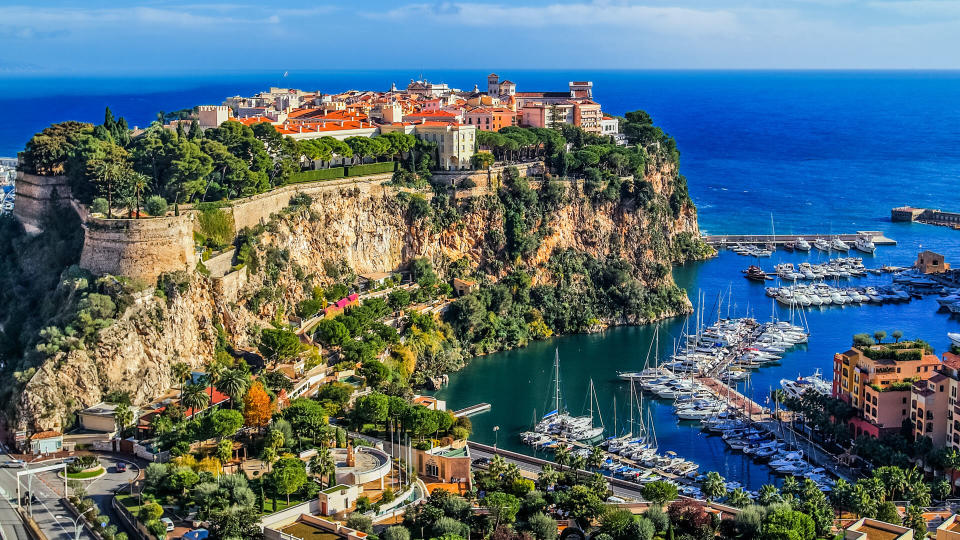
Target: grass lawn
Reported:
[(281, 504), (130, 503), (85, 474)]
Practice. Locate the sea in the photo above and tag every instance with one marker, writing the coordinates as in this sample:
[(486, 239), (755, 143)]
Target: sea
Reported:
[(813, 152)]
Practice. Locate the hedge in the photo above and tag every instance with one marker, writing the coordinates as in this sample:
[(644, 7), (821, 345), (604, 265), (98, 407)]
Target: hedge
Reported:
[(319, 174), (372, 168)]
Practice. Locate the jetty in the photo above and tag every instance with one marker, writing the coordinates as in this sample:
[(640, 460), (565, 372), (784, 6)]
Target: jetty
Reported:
[(930, 216), (724, 240), (472, 410)]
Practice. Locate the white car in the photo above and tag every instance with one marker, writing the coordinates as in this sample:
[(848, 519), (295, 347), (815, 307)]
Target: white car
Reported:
[(15, 464), (168, 522)]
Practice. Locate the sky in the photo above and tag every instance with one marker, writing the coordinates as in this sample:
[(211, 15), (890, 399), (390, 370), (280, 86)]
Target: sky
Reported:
[(155, 37)]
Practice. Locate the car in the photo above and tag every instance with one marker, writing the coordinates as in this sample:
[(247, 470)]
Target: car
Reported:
[(15, 464), (482, 463), (196, 534), (69, 460), (168, 522), (121, 467)]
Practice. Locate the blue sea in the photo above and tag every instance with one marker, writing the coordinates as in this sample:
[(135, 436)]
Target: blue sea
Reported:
[(804, 152)]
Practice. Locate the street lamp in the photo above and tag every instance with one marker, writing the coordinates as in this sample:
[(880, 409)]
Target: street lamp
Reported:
[(76, 522), (496, 436)]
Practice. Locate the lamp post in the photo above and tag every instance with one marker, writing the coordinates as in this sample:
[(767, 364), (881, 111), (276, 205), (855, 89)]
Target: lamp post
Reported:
[(496, 436), (76, 522)]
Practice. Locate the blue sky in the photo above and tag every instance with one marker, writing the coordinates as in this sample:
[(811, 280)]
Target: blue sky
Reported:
[(166, 36)]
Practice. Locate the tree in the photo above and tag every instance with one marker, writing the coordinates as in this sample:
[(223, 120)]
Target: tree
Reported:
[(713, 486), (235, 521), (224, 452), (257, 408), (307, 418), (888, 513), (179, 372), (194, 397), (503, 507), (396, 532), (482, 160), (332, 332), (782, 523), (897, 334), (583, 504), (398, 299), (595, 458), (122, 416), (769, 494), (659, 492), (739, 498), (225, 422), (915, 520), (288, 475), (542, 526), (371, 408), (278, 345), (561, 456), (234, 383), (156, 205), (940, 490), (139, 183), (879, 335), (360, 522)]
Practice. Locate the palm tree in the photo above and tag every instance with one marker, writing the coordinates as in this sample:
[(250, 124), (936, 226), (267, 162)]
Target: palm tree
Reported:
[(713, 486), (769, 494), (233, 382), (327, 465), (194, 396), (214, 370), (739, 498), (577, 463), (595, 459), (498, 466), (139, 181), (179, 372), (548, 476), (562, 456)]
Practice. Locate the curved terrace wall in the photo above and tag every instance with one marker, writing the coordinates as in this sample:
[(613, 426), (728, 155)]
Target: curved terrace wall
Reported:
[(138, 248), (37, 196)]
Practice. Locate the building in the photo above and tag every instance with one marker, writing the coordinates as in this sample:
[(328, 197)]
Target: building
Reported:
[(430, 402), (949, 529), (872, 529), (211, 116), (433, 116), (929, 262), (284, 526), (339, 498), (546, 115), (609, 126), (878, 382), (587, 115), (340, 305), (463, 286), (490, 118), (46, 442), (455, 142), (373, 280), (100, 417), (427, 88), (934, 410), (906, 213)]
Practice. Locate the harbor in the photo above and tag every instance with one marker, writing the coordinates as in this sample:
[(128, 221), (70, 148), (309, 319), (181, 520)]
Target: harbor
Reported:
[(725, 241)]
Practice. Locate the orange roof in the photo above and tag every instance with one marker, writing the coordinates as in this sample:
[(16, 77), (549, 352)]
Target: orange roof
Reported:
[(45, 435), (251, 120), (308, 127)]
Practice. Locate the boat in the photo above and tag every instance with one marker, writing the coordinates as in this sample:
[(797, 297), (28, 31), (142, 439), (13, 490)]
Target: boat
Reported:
[(865, 244), (797, 387), (954, 338), (839, 245), (821, 244), (801, 245), (790, 246), (755, 273)]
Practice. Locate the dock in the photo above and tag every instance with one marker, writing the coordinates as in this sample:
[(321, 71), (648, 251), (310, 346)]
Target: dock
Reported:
[(472, 410), (724, 240)]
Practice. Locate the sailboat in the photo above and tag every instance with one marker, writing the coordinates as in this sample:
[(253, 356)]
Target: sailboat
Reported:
[(559, 422)]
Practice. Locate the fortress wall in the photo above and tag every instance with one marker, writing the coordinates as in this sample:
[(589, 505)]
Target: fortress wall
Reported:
[(486, 180), (138, 248), (230, 284), (37, 196), (257, 209)]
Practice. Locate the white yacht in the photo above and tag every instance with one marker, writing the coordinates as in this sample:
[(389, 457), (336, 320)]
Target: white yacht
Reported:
[(954, 338), (865, 244), (821, 244), (815, 383), (802, 245), (839, 245)]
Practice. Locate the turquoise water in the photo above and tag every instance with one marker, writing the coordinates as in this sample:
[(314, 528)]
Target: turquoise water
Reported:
[(823, 152)]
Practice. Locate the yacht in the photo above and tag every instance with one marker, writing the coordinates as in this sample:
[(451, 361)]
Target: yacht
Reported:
[(865, 244), (796, 387), (821, 244), (839, 245), (954, 338), (802, 245)]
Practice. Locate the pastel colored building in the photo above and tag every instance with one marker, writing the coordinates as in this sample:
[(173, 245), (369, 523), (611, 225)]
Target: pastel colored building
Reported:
[(879, 386), (872, 529), (929, 262), (455, 142), (490, 118), (46, 442), (101, 417), (949, 529), (934, 411)]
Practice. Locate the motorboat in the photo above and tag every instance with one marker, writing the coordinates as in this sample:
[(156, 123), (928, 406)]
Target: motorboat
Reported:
[(839, 245), (865, 244), (954, 338), (802, 245), (821, 244), (797, 387)]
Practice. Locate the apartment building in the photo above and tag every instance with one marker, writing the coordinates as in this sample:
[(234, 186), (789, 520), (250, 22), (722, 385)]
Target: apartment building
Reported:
[(878, 381), (490, 118), (934, 410)]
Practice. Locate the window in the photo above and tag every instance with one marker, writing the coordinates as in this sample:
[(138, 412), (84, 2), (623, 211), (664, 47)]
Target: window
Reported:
[(898, 370), (432, 470), (929, 426), (904, 401), (941, 388), (903, 412)]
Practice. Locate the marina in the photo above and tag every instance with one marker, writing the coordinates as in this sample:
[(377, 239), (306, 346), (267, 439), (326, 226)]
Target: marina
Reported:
[(728, 241)]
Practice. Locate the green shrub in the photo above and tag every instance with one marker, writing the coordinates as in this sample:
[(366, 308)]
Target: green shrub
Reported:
[(320, 174), (216, 225), (99, 206), (156, 205), (371, 168)]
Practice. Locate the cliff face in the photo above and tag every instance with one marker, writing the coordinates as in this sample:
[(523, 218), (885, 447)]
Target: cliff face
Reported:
[(369, 230)]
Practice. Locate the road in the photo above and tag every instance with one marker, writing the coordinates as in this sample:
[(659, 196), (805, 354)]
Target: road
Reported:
[(51, 515)]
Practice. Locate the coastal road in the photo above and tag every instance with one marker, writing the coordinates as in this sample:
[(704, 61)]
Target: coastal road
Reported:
[(48, 511)]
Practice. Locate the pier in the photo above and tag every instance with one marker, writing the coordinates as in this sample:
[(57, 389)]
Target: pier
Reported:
[(472, 410), (724, 240)]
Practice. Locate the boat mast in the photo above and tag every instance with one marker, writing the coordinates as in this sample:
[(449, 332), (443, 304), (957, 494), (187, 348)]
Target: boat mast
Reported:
[(556, 375)]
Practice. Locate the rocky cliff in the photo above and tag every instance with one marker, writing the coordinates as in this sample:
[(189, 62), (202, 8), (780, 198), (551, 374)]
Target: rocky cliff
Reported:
[(374, 229)]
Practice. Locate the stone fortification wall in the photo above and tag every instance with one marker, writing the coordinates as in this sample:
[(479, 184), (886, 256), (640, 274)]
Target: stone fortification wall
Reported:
[(138, 248), (255, 210), (486, 180), (37, 196)]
